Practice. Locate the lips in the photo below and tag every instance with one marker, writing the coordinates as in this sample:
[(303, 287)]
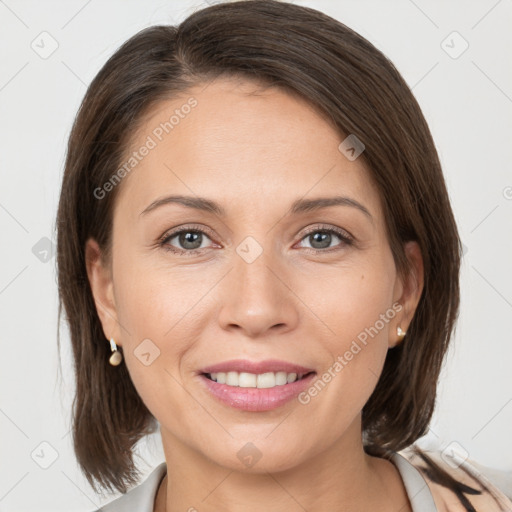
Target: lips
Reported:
[(253, 399), (256, 367), (236, 388)]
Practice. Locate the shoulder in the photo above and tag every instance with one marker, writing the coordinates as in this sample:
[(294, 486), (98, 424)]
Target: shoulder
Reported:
[(457, 484), (141, 497)]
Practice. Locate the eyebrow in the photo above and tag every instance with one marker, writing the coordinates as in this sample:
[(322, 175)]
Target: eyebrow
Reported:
[(298, 206)]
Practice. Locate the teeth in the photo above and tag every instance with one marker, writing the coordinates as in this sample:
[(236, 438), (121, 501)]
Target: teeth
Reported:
[(251, 380)]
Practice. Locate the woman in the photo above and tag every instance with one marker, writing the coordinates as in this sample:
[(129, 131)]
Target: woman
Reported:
[(254, 231)]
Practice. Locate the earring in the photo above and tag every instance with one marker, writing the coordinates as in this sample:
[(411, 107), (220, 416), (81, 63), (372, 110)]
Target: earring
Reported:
[(401, 334), (116, 357)]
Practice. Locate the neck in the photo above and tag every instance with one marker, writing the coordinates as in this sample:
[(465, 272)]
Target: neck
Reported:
[(342, 477)]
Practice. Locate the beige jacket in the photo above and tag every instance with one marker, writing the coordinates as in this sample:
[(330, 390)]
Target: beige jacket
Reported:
[(491, 498)]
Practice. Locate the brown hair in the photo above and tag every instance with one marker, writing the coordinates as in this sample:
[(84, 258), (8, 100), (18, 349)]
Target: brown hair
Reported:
[(359, 90)]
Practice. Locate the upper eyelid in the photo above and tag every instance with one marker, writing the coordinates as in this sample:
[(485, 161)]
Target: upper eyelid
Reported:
[(192, 227), (326, 227)]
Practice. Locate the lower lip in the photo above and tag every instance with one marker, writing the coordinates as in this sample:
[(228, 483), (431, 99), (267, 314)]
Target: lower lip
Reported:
[(255, 399)]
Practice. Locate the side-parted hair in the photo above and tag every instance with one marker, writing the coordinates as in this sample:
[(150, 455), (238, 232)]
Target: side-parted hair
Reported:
[(359, 91)]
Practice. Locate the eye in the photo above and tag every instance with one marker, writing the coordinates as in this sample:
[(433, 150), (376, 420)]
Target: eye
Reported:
[(321, 238), (190, 240)]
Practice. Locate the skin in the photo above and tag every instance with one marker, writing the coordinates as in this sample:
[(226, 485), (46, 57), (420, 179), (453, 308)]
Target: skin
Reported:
[(255, 154)]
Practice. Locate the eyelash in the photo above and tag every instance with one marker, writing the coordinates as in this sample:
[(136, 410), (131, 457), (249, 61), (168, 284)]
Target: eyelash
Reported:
[(346, 239)]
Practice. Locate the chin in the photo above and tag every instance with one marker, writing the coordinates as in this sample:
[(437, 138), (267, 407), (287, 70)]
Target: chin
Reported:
[(257, 457)]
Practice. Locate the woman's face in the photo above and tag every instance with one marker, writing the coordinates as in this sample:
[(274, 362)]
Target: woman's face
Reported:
[(262, 278)]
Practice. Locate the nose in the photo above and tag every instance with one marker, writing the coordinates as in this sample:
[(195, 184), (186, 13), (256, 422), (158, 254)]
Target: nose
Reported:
[(257, 296)]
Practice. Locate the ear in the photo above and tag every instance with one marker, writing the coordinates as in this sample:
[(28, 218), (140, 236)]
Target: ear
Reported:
[(408, 292), (100, 279)]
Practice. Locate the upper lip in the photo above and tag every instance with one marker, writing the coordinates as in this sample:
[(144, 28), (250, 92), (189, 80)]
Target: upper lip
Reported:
[(256, 367)]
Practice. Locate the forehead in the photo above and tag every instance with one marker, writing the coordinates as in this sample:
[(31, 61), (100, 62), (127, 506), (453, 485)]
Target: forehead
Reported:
[(245, 146)]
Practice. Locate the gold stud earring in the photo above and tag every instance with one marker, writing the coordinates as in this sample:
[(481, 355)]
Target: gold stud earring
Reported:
[(116, 357), (401, 334)]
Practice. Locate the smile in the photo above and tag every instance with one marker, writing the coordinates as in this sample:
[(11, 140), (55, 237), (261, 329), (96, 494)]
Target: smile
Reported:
[(252, 380), (261, 392)]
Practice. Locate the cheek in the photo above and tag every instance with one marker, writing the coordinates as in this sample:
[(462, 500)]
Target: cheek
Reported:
[(160, 326), (350, 299), (163, 312), (356, 310), (158, 302)]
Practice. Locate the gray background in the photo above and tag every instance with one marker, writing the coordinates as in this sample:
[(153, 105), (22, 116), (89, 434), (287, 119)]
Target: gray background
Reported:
[(466, 96)]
